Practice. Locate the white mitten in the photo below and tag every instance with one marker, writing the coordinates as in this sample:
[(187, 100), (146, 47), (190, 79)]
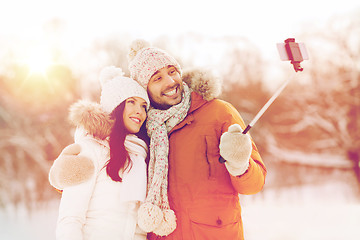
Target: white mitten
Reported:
[(235, 148), (70, 168)]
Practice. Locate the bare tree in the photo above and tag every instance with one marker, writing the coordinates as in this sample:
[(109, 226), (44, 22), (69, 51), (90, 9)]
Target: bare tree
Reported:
[(34, 129), (316, 120), (339, 86)]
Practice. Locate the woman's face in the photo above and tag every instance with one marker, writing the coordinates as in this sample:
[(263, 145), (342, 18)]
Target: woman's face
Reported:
[(134, 114)]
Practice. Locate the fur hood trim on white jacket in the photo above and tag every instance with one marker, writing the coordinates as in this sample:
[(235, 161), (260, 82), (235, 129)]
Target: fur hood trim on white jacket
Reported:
[(91, 117)]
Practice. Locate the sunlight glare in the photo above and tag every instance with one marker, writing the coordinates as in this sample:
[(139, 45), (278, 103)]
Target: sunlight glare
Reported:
[(38, 60)]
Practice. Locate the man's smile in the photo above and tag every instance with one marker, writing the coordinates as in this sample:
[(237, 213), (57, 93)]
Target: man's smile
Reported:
[(172, 93)]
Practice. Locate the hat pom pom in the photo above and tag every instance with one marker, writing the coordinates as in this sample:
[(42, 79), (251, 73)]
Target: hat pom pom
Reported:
[(168, 223), (149, 217), (136, 46), (109, 73)]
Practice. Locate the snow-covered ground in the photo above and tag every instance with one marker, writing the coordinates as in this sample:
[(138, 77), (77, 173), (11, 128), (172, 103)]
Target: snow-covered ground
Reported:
[(318, 221), (267, 221), (329, 211), (302, 213)]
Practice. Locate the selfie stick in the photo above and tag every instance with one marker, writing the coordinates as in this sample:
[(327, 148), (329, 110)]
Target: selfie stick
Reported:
[(294, 54), (265, 107)]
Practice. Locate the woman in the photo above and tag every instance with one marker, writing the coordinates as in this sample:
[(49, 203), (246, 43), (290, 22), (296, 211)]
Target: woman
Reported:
[(113, 144)]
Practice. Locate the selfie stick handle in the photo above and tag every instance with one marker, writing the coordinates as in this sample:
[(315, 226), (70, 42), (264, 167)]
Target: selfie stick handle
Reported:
[(266, 106), (262, 111)]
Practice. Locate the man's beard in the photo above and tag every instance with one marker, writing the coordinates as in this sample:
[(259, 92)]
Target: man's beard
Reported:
[(165, 106)]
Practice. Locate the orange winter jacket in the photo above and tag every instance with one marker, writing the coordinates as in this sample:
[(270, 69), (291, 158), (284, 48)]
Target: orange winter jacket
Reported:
[(202, 193)]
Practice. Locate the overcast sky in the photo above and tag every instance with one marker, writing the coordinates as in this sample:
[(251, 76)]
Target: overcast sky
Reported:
[(144, 18)]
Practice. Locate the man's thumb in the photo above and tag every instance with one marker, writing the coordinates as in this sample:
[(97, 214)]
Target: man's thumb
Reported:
[(235, 128), (72, 149)]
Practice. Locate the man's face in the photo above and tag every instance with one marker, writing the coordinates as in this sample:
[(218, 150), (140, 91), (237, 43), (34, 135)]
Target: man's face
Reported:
[(165, 88)]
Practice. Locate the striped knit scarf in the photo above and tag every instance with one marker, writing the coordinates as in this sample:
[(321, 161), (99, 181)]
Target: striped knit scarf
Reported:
[(155, 214)]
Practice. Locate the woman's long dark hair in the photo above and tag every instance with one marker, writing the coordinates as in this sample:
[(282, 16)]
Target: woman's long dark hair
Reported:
[(119, 157)]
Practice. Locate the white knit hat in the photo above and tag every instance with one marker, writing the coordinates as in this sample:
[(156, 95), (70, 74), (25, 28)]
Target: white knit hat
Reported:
[(115, 88), (144, 61)]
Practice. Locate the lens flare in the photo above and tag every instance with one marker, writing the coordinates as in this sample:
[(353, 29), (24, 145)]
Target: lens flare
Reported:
[(38, 60)]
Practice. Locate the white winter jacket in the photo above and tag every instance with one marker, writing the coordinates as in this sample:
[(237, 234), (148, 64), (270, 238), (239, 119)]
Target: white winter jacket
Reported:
[(101, 208)]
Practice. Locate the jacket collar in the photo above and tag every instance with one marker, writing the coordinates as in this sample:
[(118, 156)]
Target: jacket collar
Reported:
[(196, 102)]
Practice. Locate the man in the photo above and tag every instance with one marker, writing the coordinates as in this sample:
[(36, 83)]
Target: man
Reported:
[(191, 195), (202, 192)]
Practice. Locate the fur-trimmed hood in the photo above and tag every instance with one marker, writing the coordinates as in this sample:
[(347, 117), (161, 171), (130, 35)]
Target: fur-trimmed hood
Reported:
[(203, 82), (97, 122)]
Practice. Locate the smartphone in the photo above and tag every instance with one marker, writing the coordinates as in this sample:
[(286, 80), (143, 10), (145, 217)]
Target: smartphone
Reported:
[(298, 50)]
